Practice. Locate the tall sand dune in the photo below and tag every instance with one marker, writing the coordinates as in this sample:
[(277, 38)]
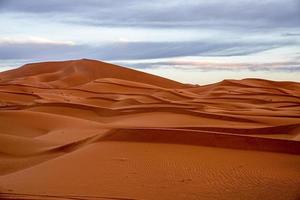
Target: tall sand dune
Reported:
[(85, 129)]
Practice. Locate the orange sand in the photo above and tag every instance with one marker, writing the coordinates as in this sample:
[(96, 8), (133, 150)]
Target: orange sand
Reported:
[(86, 129)]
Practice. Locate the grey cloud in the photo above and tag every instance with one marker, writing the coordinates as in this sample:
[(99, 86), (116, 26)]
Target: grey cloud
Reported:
[(275, 66), (291, 34), (163, 13), (150, 50), (56, 6), (37, 51), (131, 50), (236, 17), (137, 51)]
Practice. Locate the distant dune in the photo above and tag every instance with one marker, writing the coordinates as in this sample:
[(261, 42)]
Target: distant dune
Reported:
[(85, 129)]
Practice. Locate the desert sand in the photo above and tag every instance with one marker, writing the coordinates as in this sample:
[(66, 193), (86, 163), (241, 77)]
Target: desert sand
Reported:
[(85, 129)]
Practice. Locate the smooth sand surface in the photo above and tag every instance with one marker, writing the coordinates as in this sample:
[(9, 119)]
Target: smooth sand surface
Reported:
[(86, 129)]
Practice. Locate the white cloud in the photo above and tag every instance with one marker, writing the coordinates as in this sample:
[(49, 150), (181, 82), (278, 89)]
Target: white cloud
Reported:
[(33, 40)]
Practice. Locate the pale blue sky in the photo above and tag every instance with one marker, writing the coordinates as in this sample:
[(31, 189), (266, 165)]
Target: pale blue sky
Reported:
[(187, 40)]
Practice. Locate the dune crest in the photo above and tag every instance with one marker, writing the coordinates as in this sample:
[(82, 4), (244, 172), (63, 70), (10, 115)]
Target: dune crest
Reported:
[(85, 129)]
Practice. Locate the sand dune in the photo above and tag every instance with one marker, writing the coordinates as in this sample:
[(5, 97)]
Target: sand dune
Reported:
[(85, 129)]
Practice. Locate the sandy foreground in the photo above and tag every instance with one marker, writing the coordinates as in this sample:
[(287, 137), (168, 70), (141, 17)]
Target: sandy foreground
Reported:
[(88, 130)]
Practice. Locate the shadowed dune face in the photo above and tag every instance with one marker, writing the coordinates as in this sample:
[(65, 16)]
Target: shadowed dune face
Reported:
[(85, 129)]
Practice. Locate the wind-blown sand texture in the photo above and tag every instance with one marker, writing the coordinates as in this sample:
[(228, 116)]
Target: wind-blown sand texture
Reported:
[(85, 129)]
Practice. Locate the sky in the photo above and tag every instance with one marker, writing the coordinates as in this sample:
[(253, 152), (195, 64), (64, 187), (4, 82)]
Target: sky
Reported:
[(191, 41)]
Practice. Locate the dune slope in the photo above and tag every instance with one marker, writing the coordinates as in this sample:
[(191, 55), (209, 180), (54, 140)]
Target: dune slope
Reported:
[(85, 129)]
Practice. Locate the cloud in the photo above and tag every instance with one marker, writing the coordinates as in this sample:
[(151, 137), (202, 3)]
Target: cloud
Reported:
[(291, 35), (202, 65), (162, 13), (33, 40), (150, 50), (40, 49), (34, 48), (248, 26), (59, 6)]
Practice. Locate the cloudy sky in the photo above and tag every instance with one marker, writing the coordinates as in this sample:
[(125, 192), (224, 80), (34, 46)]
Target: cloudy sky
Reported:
[(195, 41)]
